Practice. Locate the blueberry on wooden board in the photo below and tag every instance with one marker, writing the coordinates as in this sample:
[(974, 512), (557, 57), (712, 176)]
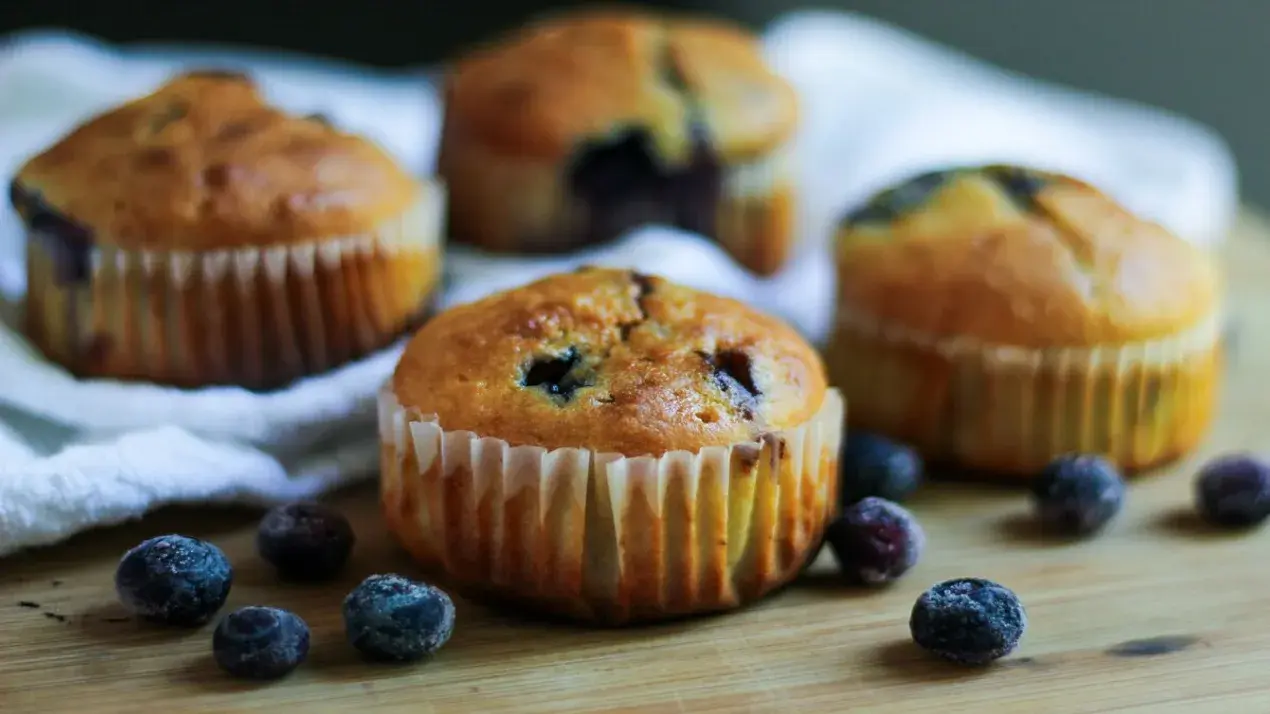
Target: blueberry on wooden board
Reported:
[(873, 465), (875, 541), (1234, 491), (260, 642), (1078, 494), (305, 541), (174, 580), (391, 618), (969, 621)]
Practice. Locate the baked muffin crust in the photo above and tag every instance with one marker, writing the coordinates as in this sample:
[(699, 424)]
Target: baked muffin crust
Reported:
[(543, 91), (1023, 258), (204, 163), (612, 361)]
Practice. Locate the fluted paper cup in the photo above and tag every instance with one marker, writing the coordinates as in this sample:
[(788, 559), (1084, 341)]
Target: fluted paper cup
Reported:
[(606, 538)]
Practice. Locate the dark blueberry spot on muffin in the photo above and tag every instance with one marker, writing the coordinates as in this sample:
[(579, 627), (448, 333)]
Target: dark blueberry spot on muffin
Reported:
[(68, 243), (735, 365), (733, 371), (624, 186), (697, 188), (643, 285), (558, 376), (1020, 184), (606, 171), (900, 199)]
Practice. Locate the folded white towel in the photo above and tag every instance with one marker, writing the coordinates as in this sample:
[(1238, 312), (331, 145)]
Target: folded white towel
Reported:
[(879, 103)]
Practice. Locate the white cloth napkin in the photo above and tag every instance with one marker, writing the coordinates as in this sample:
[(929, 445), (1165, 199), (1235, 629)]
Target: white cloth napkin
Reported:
[(878, 103)]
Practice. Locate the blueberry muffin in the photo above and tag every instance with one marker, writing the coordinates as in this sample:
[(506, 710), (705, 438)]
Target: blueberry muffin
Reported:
[(574, 130), (610, 447), (997, 317), (199, 236)]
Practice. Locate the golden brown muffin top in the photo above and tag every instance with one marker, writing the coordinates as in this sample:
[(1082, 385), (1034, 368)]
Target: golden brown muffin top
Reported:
[(612, 361), (205, 163), (1010, 256), (591, 75)]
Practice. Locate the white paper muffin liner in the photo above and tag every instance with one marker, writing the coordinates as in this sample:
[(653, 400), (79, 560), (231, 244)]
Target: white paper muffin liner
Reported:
[(1010, 410), (505, 204), (606, 538), (257, 317)]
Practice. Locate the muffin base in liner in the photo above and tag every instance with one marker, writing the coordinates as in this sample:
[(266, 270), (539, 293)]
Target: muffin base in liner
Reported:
[(505, 204), (1005, 412), (605, 538), (257, 317)]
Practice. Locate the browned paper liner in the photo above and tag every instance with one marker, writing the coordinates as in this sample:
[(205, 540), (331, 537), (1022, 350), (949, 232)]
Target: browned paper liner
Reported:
[(603, 537), (534, 210), (1010, 410), (256, 317)]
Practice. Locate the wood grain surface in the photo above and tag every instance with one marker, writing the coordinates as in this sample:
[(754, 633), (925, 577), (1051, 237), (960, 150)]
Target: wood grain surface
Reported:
[(1157, 615)]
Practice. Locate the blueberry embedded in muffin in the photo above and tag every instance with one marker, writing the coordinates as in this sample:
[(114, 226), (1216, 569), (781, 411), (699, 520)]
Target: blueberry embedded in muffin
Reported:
[(573, 131), (999, 317), (610, 446), (199, 236)]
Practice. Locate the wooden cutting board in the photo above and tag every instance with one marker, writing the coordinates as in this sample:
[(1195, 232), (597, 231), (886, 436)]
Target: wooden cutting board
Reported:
[(1158, 615)]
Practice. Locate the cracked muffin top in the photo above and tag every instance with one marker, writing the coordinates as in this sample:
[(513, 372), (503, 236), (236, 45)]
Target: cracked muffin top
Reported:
[(612, 361), (592, 75), (205, 163), (1018, 257)]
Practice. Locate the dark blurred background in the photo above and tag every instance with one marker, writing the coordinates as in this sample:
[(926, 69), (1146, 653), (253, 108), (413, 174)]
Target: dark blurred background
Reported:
[(1207, 59)]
